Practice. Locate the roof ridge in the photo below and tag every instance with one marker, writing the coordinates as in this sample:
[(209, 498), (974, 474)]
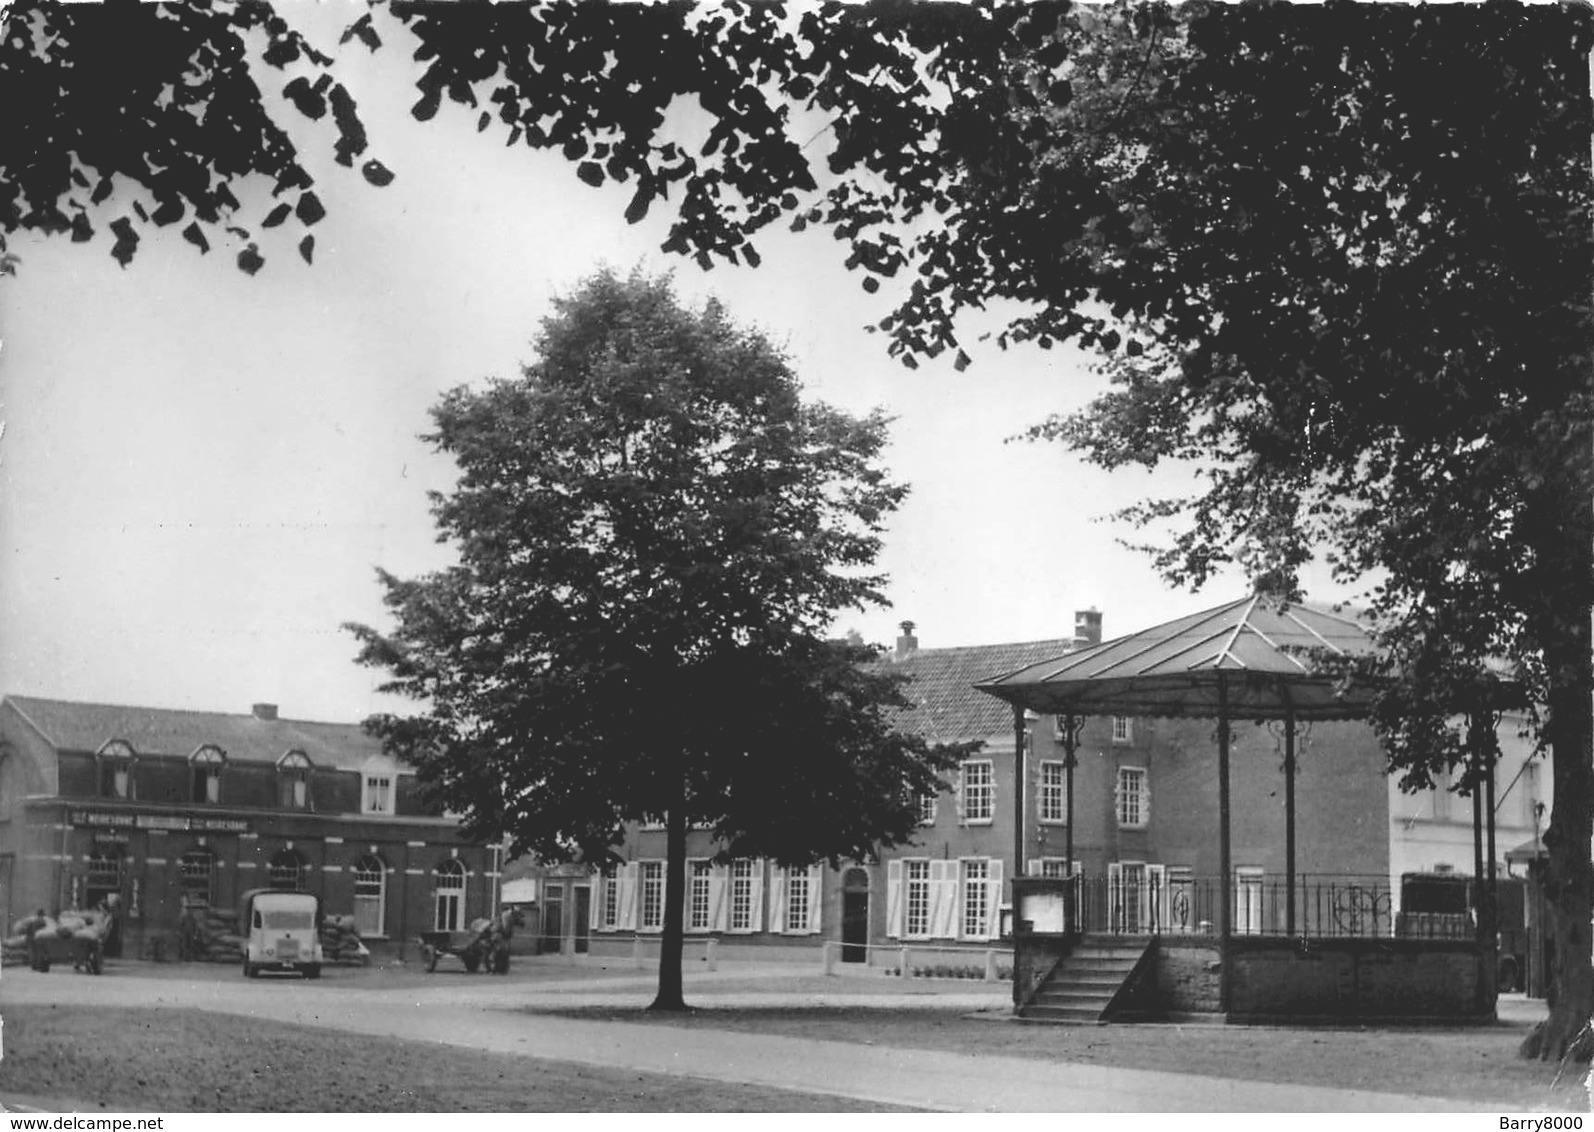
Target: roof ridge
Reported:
[(15, 697)]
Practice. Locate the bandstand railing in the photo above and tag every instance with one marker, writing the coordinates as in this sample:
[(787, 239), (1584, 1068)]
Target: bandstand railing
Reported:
[(1327, 906)]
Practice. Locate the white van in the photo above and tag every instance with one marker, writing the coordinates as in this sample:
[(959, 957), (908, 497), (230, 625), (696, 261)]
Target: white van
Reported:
[(280, 932)]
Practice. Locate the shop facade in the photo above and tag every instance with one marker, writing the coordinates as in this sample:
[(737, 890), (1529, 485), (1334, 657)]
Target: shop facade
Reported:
[(159, 812)]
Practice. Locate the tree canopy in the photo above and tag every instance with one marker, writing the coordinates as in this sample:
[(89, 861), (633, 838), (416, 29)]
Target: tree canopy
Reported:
[(654, 532), (1338, 254)]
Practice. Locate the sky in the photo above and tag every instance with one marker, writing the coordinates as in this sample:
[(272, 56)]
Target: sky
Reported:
[(200, 471)]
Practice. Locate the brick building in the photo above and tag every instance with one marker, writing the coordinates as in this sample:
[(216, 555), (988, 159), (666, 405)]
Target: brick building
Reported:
[(164, 808), (1144, 830)]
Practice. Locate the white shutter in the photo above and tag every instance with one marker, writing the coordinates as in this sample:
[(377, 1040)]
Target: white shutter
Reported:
[(595, 900), (993, 899), (777, 901), (894, 899), (957, 793), (718, 906), (758, 896), (943, 899), (816, 901), (628, 896)]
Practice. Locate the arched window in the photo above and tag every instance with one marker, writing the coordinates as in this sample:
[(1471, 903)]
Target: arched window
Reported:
[(104, 874), (293, 781), (116, 761), (196, 874), (370, 896), (450, 896), (287, 871), (205, 767)]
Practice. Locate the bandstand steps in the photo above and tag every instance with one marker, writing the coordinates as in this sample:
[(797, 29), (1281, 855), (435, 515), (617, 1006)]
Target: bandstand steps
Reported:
[(1084, 984)]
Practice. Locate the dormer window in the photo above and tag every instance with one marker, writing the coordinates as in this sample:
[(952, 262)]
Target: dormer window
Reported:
[(293, 781), (116, 761), (205, 767), (378, 785)]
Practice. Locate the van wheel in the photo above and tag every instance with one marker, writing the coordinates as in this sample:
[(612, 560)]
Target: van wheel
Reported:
[(472, 961), (311, 970), (250, 970)]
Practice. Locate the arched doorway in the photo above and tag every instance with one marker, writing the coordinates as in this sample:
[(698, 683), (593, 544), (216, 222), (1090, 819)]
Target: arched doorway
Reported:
[(370, 897), (855, 916), (286, 872), (448, 896)]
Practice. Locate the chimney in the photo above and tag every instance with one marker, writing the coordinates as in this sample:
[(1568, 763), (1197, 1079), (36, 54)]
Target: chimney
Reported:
[(907, 644), (1087, 628), (263, 711)]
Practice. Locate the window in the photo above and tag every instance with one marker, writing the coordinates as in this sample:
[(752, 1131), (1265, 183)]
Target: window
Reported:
[(286, 871), (610, 916), (1054, 792), (652, 896), (798, 889), (195, 872), (205, 775), (979, 792), (116, 770), (1056, 868), (699, 906), (104, 873), (293, 781), (1248, 910), (370, 897), (1123, 729), (975, 903), (918, 900), (1134, 800), (745, 895), (449, 896), (378, 793), (927, 808)]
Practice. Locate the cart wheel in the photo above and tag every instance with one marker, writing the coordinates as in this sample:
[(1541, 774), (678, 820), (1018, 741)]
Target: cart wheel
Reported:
[(96, 963), (429, 957), (472, 961), (501, 961)]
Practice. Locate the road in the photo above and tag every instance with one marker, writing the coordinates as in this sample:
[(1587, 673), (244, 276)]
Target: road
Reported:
[(485, 1013)]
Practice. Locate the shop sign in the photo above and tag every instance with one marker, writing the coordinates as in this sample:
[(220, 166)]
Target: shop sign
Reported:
[(196, 824)]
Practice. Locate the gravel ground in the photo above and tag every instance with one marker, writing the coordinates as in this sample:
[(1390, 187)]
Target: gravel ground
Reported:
[(191, 1061), (1472, 1063)]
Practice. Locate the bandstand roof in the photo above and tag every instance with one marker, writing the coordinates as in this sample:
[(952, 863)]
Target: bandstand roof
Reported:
[(1260, 654)]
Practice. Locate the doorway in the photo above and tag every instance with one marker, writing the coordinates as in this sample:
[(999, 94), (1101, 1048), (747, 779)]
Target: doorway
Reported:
[(553, 920), (583, 917), (855, 916)]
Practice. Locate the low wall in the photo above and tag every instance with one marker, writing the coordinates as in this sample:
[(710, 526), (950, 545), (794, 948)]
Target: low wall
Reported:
[(1360, 979), (1278, 979)]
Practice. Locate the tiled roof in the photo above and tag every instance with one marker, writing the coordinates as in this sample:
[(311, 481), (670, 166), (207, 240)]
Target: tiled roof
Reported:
[(72, 726), (947, 708)]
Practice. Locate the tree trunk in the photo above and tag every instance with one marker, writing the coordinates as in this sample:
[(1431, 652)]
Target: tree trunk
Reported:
[(669, 995), (1566, 875), (1567, 878)]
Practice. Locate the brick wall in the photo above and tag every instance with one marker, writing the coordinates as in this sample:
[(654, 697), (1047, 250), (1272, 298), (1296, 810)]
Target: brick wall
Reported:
[(1186, 978), (1355, 978)]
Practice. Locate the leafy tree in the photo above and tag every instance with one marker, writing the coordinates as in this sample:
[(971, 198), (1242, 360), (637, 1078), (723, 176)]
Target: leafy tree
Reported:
[(1338, 254), (126, 116), (654, 532)]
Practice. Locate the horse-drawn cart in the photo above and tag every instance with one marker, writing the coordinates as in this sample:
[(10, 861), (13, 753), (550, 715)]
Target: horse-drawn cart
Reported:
[(77, 938), (484, 946)]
